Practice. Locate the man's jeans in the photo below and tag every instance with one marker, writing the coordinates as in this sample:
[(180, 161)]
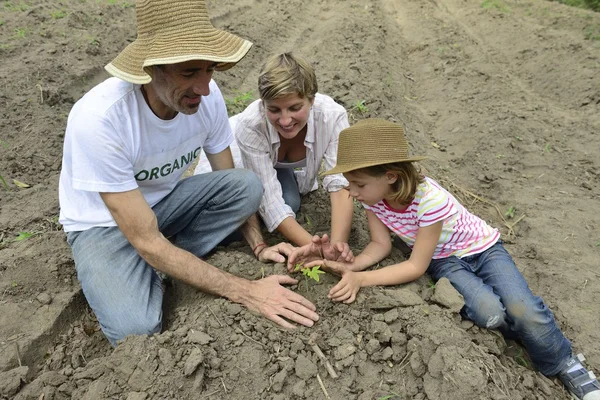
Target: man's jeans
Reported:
[(123, 290), (497, 297)]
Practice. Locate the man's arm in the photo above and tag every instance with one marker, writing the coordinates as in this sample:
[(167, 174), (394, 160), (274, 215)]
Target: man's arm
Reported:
[(138, 223), (251, 228)]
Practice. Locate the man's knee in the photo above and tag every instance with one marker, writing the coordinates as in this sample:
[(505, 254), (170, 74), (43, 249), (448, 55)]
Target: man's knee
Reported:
[(250, 185), (122, 326)]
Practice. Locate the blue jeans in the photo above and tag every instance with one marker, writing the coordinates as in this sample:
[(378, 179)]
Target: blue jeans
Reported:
[(124, 291), (497, 297), (289, 187)]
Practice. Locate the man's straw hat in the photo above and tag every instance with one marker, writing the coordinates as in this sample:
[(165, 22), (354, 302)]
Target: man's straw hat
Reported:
[(174, 31), (371, 142)]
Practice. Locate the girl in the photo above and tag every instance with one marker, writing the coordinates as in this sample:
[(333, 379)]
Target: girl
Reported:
[(446, 241), (284, 137)]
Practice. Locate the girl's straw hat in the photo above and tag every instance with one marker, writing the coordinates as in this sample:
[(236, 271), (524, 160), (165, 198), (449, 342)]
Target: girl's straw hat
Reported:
[(174, 31), (371, 142)]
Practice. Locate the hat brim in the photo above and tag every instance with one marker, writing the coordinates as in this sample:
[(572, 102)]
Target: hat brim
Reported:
[(340, 169), (215, 45)]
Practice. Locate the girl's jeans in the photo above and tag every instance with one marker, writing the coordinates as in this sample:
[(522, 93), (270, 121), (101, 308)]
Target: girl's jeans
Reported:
[(497, 297), (123, 290)]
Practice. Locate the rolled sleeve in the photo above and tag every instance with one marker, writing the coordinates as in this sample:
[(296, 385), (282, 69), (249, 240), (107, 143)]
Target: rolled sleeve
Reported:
[(254, 149)]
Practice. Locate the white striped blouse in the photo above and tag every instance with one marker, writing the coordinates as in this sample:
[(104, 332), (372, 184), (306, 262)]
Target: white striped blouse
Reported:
[(259, 144)]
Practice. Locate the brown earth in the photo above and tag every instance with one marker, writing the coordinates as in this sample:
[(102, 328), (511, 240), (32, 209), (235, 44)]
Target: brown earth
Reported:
[(504, 96)]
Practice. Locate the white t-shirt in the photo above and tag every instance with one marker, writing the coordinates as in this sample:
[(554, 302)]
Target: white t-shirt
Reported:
[(115, 143)]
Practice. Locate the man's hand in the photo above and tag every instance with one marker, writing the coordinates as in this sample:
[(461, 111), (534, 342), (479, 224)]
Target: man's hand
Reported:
[(272, 300), (347, 288), (276, 253)]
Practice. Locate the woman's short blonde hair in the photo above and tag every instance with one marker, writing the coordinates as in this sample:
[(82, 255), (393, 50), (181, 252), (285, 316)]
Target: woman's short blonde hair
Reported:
[(285, 74), (405, 187)]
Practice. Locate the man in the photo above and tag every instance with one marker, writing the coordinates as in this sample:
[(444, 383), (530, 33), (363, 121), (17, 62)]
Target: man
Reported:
[(124, 207)]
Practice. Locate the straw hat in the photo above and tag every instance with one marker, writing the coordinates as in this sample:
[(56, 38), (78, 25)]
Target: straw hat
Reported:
[(174, 31), (371, 142)]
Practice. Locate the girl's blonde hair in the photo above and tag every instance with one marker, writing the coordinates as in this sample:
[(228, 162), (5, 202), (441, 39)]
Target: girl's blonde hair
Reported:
[(285, 74), (405, 187)]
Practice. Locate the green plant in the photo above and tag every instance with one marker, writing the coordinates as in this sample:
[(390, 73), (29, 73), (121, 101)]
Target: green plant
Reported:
[(4, 183), (497, 4), (510, 213), (431, 284), (592, 32), (58, 14), (21, 6), (25, 235), (359, 105), (309, 273), (520, 359), (239, 103), (20, 33)]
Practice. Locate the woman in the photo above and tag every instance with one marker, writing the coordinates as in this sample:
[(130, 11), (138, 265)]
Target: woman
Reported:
[(284, 137)]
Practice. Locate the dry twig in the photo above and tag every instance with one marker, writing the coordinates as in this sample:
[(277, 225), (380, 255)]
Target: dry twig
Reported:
[(323, 387), (214, 315), (254, 340)]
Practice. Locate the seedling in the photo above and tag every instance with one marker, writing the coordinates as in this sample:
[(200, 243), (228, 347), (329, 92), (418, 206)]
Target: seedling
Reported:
[(238, 103), (20, 33), (10, 6), (520, 359), (4, 183), (312, 273), (431, 284), (510, 213), (360, 106), (497, 4), (58, 14), (24, 235)]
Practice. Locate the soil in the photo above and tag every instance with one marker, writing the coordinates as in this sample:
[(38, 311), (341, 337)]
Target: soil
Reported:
[(503, 96)]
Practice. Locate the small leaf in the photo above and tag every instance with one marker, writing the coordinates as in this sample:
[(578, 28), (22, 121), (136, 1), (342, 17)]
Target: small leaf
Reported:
[(434, 144), (23, 236), (21, 184), (315, 272)]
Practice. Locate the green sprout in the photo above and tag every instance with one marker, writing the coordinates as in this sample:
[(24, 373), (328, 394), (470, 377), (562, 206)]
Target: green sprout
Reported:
[(510, 213), (312, 273), (24, 235)]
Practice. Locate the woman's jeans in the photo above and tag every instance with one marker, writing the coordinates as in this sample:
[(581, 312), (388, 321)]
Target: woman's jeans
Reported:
[(497, 297), (123, 290), (289, 187)]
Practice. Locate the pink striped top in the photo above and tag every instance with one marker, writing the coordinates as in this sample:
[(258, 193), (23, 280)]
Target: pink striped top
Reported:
[(462, 234)]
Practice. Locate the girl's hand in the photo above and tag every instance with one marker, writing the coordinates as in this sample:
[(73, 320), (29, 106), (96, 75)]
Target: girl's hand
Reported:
[(338, 251), (334, 267), (346, 289)]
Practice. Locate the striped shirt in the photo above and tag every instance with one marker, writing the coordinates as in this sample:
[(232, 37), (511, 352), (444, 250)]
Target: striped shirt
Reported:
[(259, 144), (462, 234)]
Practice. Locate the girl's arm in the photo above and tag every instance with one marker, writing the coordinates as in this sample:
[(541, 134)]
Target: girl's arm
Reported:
[(406, 271), (342, 208), (379, 247)]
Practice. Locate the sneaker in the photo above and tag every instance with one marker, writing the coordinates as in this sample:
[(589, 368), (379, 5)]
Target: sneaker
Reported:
[(581, 383)]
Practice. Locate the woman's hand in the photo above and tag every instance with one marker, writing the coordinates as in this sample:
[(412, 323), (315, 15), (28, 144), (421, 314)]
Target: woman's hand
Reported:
[(347, 288), (318, 250), (276, 253)]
